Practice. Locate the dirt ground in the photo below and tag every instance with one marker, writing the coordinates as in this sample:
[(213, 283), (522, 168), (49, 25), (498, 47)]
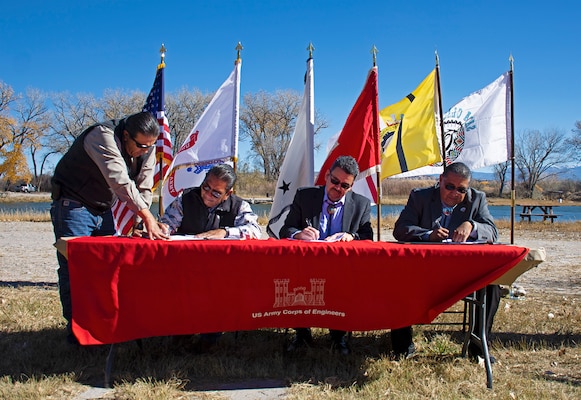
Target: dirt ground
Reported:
[(27, 255)]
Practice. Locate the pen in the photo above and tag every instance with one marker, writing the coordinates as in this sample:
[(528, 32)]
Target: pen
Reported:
[(437, 224), (308, 222)]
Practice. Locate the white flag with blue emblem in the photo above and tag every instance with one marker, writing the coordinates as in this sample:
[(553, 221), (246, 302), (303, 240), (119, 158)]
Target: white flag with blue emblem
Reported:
[(213, 140)]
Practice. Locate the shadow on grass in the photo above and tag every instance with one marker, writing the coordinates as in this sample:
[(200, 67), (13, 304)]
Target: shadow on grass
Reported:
[(242, 360), (19, 284), (515, 339), (253, 359)]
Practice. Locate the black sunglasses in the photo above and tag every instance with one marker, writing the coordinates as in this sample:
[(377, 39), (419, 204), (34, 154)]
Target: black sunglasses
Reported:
[(141, 145), (461, 190), (336, 181)]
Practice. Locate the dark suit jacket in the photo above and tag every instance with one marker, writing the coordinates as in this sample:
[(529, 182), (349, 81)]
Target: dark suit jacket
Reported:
[(308, 203), (424, 207)]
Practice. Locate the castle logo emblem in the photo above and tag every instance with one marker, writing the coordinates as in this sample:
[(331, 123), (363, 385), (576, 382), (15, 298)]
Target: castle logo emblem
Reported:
[(299, 296)]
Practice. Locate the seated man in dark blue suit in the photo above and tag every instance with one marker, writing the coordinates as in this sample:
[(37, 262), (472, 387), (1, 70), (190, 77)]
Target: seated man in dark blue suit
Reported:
[(330, 212), (450, 210)]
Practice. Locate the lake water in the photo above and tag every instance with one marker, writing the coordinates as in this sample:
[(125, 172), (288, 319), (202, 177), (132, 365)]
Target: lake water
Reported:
[(566, 213)]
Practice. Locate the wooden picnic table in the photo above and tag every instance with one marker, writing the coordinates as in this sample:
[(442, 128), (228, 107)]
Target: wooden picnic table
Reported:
[(538, 210)]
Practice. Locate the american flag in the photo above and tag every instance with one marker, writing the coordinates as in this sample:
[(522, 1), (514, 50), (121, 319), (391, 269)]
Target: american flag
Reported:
[(155, 104), (125, 218)]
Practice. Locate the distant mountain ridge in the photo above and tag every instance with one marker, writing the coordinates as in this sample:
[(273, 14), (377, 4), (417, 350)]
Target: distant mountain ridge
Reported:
[(562, 173)]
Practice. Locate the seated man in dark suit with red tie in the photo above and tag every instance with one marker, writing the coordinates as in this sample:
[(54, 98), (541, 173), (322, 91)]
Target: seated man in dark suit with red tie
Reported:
[(448, 211), (330, 212)]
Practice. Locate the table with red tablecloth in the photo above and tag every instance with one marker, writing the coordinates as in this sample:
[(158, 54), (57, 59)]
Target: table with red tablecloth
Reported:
[(129, 288)]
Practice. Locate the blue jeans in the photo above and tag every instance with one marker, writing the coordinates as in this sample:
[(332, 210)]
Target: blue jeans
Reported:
[(71, 218)]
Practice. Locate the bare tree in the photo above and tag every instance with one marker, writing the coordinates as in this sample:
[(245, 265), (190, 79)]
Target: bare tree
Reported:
[(38, 120), (7, 97), (537, 152), (71, 114), (118, 103), (31, 124), (268, 120), (500, 171), (183, 109), (575, 140)]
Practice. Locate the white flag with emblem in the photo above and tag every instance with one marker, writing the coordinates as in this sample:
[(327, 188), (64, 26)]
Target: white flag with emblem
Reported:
[(213, 140), (477, 130)]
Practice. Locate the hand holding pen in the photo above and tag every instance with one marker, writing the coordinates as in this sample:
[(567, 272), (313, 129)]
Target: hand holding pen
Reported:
[(439, 233), (309, 232)]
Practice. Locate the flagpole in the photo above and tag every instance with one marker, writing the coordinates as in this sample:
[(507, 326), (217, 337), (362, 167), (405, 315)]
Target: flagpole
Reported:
[(238, 60), (440, 111), (310, 120), (512, 189), (374, 52), (161, 65)]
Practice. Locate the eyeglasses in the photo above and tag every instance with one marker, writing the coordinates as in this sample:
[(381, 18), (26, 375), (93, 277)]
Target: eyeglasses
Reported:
[(213, 192), (461, 190), (336, 181), (141, 145)]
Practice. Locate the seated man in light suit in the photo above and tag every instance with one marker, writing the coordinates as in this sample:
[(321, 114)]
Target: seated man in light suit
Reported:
[(450, 210), (330, 212)]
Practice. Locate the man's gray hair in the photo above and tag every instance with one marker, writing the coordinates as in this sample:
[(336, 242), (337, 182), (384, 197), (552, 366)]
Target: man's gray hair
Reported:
[(459, 169), (347, 164), (225, 173)]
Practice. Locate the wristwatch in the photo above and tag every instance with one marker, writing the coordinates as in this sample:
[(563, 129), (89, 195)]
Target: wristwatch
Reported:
[(226, 229)]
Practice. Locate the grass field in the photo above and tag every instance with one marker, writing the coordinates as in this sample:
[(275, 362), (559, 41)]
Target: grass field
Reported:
[(536, 342)]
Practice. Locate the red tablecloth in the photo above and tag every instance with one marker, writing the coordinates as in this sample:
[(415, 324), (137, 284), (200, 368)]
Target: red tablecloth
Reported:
[(127, 288)]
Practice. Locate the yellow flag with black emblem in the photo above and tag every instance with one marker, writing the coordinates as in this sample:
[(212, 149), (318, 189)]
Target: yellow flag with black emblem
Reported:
[(409, 136)]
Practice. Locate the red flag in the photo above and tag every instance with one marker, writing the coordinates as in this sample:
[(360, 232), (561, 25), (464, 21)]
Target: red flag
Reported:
[(360, 139)]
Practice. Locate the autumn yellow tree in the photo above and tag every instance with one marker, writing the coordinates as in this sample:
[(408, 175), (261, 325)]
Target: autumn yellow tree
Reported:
[(7, 97)]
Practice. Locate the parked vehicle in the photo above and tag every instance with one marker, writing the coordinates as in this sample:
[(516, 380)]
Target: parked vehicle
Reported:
[(26, 188)]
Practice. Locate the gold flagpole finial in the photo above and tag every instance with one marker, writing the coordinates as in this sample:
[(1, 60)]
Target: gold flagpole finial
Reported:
[(437, 58), (311, 48), (374, 51), (162, 51), (511, 61), (239, 48)]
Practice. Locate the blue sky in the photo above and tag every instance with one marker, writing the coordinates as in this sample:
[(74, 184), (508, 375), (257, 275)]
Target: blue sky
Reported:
[(90, 46)]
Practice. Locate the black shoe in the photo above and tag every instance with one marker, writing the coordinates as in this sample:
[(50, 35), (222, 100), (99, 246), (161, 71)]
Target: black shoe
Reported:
[(478, 357), (475, 353), (410, 352), (302, 338), (340, 346)]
